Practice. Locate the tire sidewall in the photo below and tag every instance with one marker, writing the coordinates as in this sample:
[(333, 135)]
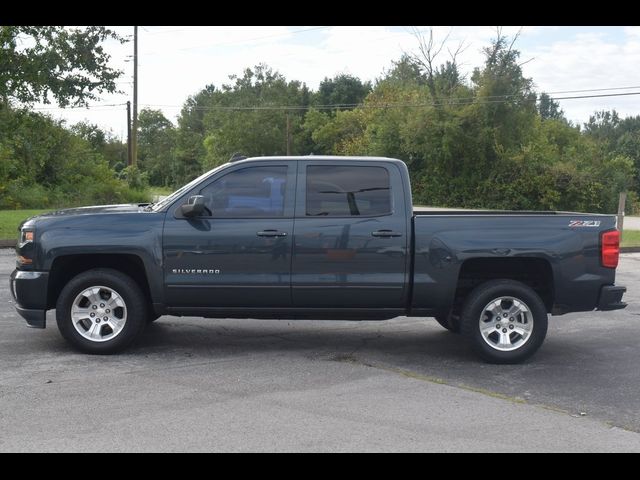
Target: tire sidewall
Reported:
[(481, 296), (125, 287)]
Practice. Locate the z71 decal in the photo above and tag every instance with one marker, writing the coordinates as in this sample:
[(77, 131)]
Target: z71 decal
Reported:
[(584, 223)]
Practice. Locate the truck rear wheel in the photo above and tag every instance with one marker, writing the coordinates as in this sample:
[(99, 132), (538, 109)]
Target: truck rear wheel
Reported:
[(505, 321), (101, 311)]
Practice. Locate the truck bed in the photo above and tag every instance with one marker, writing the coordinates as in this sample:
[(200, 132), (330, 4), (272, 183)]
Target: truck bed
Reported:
[(564, 244)]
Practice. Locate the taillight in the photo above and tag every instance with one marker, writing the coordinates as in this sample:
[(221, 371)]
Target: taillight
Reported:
[(610, 248)]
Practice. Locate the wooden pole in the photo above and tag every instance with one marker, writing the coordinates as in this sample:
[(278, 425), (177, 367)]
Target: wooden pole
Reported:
[(288, 135), (134, 128), (621, 204), (128, 133)]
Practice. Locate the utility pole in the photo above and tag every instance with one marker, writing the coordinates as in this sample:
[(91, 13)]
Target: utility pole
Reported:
[(288, 135), (621, 205), (128, 133), (134, 133)]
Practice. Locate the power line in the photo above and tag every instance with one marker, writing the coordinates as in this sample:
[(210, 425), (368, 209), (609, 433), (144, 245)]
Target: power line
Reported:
[(557, 92), (448, 101), (444, 102), (594, 90), (87, 107)]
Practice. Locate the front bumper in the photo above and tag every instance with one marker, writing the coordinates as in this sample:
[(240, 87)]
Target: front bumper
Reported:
[(29, 290), (611, 298)]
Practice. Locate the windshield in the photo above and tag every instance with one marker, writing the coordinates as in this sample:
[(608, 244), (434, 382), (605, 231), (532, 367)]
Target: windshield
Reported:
[(166, 201)]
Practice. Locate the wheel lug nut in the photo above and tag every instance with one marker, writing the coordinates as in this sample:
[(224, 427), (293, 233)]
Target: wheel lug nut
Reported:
[(511, 319), (505, 315), (102, 306), (92, 314), (108, 311), (504, 330), (498, 326), (94, 306), (105, 318), (511, 327), (98, 320)]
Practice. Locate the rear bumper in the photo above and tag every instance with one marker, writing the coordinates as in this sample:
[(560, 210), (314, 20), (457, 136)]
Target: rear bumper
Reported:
[(611, 298), (29, 290)]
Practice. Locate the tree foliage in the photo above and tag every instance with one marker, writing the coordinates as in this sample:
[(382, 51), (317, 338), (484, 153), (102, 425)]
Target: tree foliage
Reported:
[(45, 164), (344, 90), (548, 108), (489, 141), (233, 125), (68, 64), (156, 140)]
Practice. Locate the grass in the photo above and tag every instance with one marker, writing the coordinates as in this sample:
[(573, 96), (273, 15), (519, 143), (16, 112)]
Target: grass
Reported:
[(631, 238), (10, 219), (161, 190)]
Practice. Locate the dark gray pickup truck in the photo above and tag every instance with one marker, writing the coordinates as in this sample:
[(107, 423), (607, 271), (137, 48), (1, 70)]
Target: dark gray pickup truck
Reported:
[(313, 237)]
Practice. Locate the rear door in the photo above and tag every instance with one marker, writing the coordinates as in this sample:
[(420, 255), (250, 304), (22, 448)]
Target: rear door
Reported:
[(350, 236)]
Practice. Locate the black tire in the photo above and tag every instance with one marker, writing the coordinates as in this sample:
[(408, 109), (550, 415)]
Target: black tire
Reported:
[(134, 300), (473, 308), (450, 322)]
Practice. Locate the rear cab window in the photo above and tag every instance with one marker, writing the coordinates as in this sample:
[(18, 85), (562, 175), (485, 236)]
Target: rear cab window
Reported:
[(347, 191)]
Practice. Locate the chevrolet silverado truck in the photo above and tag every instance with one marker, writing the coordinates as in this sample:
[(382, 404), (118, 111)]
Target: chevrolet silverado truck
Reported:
[(313, 237)]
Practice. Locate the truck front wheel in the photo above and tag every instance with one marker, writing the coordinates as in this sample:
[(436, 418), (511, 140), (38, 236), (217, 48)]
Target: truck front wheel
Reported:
[(101, 311), (505, 321)]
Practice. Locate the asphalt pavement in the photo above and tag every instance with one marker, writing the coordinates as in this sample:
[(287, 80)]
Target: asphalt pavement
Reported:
[(406, 384)]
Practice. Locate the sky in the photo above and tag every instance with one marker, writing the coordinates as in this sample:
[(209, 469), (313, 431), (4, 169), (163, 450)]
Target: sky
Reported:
[(175, 62)]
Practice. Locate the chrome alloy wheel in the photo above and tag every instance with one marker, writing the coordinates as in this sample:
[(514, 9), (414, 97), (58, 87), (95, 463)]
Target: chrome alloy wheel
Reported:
[(99, 313), (506, 323)]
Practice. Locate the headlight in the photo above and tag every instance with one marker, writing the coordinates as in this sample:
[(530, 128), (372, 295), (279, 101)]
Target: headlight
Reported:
[(25, 249), (26, 236)]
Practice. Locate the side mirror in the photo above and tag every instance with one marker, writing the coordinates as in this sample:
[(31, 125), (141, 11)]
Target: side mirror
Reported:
[(194, 207)]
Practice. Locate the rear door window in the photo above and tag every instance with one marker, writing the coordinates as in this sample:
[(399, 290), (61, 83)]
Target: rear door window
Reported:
[(347, 191)]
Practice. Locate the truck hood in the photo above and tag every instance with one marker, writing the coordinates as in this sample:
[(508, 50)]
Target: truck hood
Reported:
[(122, 208), (92, 210)]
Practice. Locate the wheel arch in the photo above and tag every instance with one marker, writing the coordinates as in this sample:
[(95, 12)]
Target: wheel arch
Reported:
[(534, 272), (64, 268)]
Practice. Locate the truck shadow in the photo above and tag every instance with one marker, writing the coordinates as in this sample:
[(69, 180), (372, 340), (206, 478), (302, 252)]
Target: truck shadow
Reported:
[(420, 340)]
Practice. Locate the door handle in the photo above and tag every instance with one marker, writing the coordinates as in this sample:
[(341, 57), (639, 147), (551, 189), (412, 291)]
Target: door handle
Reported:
[(271, 233), (386, 233)]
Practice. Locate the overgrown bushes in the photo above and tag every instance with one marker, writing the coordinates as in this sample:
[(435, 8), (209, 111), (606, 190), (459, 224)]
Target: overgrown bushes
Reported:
[(43, 164)]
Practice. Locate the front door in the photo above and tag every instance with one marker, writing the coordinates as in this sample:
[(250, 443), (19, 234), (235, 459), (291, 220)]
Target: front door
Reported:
[(350, 237), (239, 253)]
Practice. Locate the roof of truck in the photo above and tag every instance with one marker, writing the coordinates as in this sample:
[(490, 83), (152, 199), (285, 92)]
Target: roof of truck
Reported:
[(323, 157)]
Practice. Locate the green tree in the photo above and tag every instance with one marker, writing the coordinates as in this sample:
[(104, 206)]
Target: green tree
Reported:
[(68, 64), (603, 127), (45, 164), (248, 116), (548, 108), (405, 71), (190, 153), (345, 90), (156, 144)]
